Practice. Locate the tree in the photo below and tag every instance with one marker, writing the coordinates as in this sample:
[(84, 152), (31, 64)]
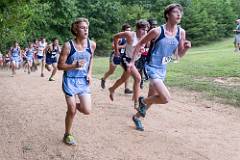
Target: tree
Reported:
[(200, 27)]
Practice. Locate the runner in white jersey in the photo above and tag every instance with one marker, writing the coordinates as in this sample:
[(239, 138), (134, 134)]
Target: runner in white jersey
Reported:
[(6, 61), (132, 38), (41, 53)]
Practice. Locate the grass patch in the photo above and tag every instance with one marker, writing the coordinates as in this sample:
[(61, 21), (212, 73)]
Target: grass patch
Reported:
[(197, 70)]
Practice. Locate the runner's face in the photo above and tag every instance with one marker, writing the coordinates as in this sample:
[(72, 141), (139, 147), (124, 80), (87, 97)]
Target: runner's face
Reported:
[(128, 29), (142, 31), (16, 45), (82, 30), (55, 42), (175, 16)]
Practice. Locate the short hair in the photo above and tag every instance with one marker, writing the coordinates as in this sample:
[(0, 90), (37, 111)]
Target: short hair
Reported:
[(78, 20), (169, 9), (142, 24), (125, 26), (55, 38), (41, 38), (152, 22)]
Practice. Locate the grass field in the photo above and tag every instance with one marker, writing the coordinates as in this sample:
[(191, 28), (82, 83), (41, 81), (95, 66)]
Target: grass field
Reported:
[(213, 69)]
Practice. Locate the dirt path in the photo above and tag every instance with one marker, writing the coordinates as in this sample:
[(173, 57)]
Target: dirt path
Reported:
[(32, 112)]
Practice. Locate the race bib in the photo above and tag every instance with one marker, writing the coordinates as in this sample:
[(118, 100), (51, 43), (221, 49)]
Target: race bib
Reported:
[(166, 60), (54, 54), (122, 50)]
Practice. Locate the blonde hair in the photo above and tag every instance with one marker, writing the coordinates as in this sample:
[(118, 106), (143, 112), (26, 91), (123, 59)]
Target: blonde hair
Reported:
[(78, 20)]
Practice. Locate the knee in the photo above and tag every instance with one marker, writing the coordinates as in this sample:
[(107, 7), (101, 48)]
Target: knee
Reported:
[(137, 79), (71, 112)]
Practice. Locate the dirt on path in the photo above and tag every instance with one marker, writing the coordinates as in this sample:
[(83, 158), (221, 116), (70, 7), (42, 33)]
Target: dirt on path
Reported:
[(32, 112)]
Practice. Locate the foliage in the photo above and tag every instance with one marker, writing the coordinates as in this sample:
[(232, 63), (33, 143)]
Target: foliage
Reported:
[(26, 20)]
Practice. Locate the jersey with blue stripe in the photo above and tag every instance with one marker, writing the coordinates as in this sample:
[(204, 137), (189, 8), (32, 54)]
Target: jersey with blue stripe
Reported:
[(78, 56)]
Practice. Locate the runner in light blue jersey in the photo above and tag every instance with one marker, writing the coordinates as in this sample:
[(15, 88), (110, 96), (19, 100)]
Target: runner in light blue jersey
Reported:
[(169, 40), (76, 59), (15, 56)]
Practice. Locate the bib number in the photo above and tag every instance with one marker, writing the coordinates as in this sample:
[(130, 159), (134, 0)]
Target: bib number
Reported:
[(122, 51), (54, 54), (166, 60)]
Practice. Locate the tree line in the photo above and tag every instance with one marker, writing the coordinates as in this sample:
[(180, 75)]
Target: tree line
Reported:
[(26, 20)]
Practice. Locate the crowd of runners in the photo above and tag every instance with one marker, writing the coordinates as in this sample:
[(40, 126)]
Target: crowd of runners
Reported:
[(142, 53), (38, 54)]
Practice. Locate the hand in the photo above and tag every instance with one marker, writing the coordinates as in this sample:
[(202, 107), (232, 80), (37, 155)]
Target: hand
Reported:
[(80, 64), (187, 44), (89, 79), (142, 50), (116, 53)]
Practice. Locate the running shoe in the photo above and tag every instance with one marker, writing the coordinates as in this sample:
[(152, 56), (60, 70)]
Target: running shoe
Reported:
[(138, 123), (103, 83), (69, 139), (51, 79), (142, 108), (128, 91)]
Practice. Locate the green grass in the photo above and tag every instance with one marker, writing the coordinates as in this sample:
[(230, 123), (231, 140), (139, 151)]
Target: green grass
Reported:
[(197, 71)]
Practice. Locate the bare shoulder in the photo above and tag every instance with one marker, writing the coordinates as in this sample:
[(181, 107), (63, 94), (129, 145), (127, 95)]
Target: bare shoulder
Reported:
[(129, 35), (66, 48), (155, 33), (93, 45), (182, 32), (156, 30)]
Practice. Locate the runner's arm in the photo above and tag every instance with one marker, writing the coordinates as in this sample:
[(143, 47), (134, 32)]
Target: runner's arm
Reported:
[(119, 46), (20, 52), (184, 44), (93, 47), (63, 57), (25, 52), (45, 50), (126, 34), (152, 35)]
